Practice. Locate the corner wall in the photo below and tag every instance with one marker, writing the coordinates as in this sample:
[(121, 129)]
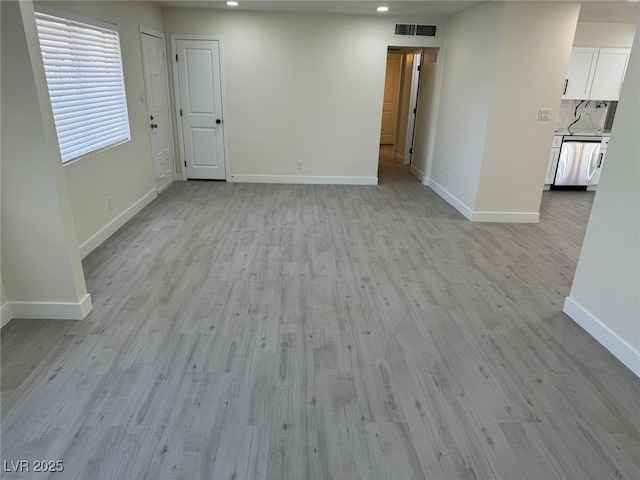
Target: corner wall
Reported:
[(536, 44), (41, 268), (469, 61), (604, 297), (502, 62)]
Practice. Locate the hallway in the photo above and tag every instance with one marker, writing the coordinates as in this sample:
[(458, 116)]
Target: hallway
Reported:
[(393, 171)]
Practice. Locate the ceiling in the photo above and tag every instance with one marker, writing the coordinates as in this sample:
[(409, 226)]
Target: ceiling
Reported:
[(616, 11), (361, 7)]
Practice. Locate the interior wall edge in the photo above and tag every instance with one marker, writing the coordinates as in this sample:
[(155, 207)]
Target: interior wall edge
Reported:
[(603, 334)]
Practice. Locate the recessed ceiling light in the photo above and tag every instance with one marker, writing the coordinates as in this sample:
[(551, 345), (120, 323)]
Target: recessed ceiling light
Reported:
[(232, 4), (382, 9)]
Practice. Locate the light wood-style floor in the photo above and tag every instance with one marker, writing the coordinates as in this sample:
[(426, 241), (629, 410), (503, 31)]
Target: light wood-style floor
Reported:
[(292, 332)]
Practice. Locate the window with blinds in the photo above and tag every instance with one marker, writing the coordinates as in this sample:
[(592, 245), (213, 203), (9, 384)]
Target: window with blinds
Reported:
[(83, 66)]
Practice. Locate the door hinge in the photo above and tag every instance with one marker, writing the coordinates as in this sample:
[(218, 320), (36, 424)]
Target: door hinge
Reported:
[(411, 150), (185, 163), (176, 57), (415, 110), (180, 112), (419, 66)]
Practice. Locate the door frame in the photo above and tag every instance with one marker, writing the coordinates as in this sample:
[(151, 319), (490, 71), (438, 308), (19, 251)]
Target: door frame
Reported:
[(176, 90), (154, 33)]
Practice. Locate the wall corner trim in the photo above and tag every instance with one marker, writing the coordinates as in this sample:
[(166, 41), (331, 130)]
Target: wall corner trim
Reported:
[(416, 172), (52, 310), (5, 314), (474, 216), (450, 199), (607, 338), (94, 242), (506, 217), (303, 179)]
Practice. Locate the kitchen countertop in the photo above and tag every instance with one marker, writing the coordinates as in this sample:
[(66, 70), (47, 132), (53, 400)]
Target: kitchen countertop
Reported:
[(566, 132)]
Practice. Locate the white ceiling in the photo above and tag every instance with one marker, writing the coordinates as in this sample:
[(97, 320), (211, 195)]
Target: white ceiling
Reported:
[(361, 7), (620, 11)]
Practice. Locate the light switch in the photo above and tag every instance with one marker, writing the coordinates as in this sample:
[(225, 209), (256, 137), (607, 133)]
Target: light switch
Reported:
[(544, 114)]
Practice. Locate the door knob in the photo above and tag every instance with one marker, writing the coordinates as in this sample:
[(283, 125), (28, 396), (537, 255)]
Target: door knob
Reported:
[(154, 125), (218, 121)]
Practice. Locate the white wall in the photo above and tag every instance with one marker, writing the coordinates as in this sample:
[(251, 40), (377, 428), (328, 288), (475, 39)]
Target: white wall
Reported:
[(604, 297), (535, 49), (40, 257), (125, 172), (299, 87), (592, 34), (469, 61), (502, 62)]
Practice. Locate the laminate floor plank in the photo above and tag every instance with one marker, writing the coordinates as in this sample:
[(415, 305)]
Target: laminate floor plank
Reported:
[(323, 332)]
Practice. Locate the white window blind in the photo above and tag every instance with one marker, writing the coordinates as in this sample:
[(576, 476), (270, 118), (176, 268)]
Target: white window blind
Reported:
[(83, 66)]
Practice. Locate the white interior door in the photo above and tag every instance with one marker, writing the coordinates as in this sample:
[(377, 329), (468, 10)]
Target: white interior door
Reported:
[(200, 106), (413, 107), (158, 109)]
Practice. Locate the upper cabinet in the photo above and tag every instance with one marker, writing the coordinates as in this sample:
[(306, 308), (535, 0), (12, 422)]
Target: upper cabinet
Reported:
[(596, 73), (582, 66), (610, 70)]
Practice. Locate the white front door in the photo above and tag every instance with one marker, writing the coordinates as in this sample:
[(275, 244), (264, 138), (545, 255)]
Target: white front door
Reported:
[(200, 107), (158, 109)]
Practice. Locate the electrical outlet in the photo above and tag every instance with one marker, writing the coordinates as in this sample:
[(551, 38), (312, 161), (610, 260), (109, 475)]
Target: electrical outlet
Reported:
[(110, 203), (446, 177), (299, 166), (544, 114)]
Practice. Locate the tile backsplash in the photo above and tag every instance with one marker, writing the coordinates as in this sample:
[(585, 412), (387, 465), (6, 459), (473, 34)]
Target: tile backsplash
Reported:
[(584, 116)]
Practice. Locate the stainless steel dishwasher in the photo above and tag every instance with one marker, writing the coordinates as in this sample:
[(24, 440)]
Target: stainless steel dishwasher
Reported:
[(579, 158)]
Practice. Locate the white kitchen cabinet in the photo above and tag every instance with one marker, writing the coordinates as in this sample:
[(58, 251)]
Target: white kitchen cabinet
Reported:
[(552, 165), (553, 161), (595, 73), (609, 73), (603, 153), (579, 79)]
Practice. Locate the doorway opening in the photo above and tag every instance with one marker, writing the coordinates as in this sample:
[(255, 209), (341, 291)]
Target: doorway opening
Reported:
[(407, 112)]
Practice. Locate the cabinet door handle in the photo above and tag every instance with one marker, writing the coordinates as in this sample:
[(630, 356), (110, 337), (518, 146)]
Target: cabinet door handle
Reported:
[(566, 84), (600, 160)]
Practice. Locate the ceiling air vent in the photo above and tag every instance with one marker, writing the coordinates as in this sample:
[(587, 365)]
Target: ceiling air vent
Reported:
[(415, 30)]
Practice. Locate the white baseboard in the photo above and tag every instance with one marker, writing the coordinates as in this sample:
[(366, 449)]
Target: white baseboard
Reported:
[(449, 198), (164, 187), (94, 242), (52, 310), (474, 216), (608, 339), (303, 179), (416, 172), (506, 217), (5, 314)]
